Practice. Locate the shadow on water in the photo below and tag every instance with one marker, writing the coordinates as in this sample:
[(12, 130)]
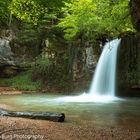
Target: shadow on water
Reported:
[(123, 112)]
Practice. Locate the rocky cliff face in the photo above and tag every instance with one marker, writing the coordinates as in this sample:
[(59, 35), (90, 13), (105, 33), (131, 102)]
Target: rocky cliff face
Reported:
[(128, 76), (9, 63), (13, 56), (129, 58), (6, 55), (83, 65)]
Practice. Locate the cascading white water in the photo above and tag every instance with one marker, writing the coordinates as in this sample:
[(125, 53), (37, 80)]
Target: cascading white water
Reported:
[(104, 79)]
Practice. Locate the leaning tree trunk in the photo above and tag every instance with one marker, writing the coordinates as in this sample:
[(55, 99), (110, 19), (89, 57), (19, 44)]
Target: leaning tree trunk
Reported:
[(135, 13)]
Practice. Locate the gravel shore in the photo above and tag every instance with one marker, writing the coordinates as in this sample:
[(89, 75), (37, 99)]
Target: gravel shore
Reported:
[(26, 129)]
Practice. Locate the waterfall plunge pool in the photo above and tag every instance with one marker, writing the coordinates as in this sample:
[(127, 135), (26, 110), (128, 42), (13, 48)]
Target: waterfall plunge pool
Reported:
[(118, 111)]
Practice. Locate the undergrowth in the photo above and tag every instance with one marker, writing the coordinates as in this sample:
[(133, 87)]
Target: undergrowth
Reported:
[(22, 82)]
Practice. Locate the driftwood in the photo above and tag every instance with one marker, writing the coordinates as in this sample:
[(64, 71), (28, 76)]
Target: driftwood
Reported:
[(56, 117)]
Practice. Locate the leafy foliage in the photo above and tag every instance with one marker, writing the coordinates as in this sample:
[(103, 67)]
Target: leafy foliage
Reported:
[(43, 68), (36, 12), (28, 35), (27, 10), (21, 82), (4, 12), (52, 66), (92, 17)]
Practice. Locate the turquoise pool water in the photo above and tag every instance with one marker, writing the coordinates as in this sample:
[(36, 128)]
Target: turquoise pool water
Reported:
[(117, 112)]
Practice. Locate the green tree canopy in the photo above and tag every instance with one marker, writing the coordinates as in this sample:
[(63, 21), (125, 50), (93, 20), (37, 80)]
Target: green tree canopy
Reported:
[(94, 17), (27, 10), (4, 12), (34, 11)]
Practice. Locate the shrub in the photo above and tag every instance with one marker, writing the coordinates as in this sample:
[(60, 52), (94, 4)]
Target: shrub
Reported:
[(22, 82)]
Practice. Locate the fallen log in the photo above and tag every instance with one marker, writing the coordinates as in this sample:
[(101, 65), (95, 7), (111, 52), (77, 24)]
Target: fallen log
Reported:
[(56, 117)]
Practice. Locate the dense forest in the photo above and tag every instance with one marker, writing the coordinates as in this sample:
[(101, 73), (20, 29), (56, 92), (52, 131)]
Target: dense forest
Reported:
[(47, 42)]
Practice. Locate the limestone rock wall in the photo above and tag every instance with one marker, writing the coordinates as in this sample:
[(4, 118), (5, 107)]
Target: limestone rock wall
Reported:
[(9, 63), (84, 63), (13, 56), (128, 73)]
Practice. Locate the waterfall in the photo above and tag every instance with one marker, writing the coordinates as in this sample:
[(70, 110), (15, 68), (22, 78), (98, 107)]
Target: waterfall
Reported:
[(104, 79)]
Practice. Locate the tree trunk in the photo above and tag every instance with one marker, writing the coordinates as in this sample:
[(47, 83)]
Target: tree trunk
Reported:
[(56, 117), (135, 13)]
